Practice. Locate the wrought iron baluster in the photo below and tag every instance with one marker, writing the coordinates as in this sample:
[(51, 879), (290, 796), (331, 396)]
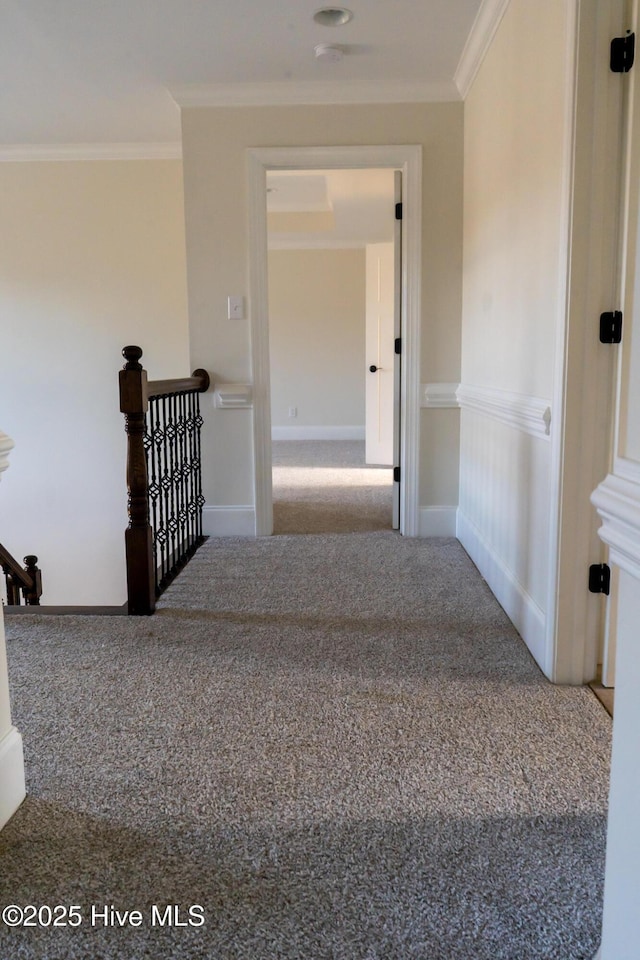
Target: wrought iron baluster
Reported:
[(192, 486), (167, 487), (184, 545), (163, 424), (153, 483), (199, 497)]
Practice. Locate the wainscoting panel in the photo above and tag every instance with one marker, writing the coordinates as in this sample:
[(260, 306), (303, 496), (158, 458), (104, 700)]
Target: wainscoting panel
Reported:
[(504, 518), (12, 785)]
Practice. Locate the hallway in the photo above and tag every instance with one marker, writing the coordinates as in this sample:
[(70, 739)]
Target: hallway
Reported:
[(336, 744)]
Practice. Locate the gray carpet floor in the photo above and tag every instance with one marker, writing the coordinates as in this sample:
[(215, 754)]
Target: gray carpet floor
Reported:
[(326, 487), (336, 744)]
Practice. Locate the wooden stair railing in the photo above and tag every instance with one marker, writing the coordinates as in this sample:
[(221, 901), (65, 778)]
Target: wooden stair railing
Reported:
[(164, 478), (22, 582)]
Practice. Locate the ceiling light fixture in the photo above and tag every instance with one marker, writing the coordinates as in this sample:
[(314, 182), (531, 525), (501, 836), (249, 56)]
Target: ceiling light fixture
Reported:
[(332, 16)]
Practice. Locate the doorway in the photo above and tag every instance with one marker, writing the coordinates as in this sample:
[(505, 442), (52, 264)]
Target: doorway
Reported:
[(408, 160), (332, 329)]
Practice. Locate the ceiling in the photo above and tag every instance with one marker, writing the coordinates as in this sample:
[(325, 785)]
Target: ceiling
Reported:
[(114, 71), (330, 208)]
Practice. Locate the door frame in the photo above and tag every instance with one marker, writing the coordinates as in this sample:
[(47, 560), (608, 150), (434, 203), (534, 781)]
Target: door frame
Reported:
[(582, 423), (408, 159)]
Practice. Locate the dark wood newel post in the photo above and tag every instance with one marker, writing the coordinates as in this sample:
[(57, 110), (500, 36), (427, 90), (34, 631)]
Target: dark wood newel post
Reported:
[(33, 594), (138, 536)]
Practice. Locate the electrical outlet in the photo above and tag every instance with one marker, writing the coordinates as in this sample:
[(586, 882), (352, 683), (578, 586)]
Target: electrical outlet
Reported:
[(293, 411)]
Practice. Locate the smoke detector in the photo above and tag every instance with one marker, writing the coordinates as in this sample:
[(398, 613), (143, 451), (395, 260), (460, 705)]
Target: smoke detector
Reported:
[(330, 52)]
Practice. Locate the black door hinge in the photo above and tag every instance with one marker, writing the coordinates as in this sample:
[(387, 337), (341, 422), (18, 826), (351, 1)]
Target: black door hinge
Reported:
[(599, 578), (397, 345), (398, 211), (396, 474), (611, 327), (622, 53)]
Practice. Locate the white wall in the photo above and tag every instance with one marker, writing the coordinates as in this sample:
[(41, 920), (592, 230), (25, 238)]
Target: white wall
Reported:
[(215, 141), (316, 337), (515, 262), (92, 257)]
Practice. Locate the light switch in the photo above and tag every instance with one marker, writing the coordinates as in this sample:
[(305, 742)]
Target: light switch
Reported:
[(235, 309)]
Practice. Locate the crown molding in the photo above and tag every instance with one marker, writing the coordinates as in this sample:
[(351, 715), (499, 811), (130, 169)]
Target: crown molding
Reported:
[(291, 93), (478, 42), (26, 152)]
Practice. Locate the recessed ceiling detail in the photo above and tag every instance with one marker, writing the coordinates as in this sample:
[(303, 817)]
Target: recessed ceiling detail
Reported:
[(332, 16)]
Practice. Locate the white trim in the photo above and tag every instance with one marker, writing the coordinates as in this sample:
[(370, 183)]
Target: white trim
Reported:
[(627, 469), (12, 784), (530, 414), (31, 152), (302, 432), (289, 93), (232, 396), (617, 500), (409, 160), (519, 605), (478, 42), (438, 521), (236, 521), (439, 395), (6, 445), (585, 275)]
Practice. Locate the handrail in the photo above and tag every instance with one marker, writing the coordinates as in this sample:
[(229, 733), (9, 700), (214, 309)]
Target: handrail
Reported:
[(199, 382), (163, 477), (27, 580)]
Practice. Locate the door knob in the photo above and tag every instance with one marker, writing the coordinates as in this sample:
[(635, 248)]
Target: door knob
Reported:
[(373, 368)]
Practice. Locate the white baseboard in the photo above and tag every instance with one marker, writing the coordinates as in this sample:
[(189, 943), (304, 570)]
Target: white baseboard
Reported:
[(317, 433), (437, 521), (228, 521), (12, 785), (525, 614)]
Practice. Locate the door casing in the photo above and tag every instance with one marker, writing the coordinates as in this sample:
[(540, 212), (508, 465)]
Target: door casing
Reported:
[(408, 159)]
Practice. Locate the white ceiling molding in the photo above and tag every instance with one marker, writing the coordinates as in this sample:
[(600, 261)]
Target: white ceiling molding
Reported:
[(25, 152), (287, 93), (478, 42)]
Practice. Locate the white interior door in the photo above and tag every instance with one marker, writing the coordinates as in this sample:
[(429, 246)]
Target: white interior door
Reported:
[(379, 352)]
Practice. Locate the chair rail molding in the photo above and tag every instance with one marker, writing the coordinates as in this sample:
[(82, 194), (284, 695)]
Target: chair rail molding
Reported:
[(440, 395), (532, 415), (6, 445), (617, 500)]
